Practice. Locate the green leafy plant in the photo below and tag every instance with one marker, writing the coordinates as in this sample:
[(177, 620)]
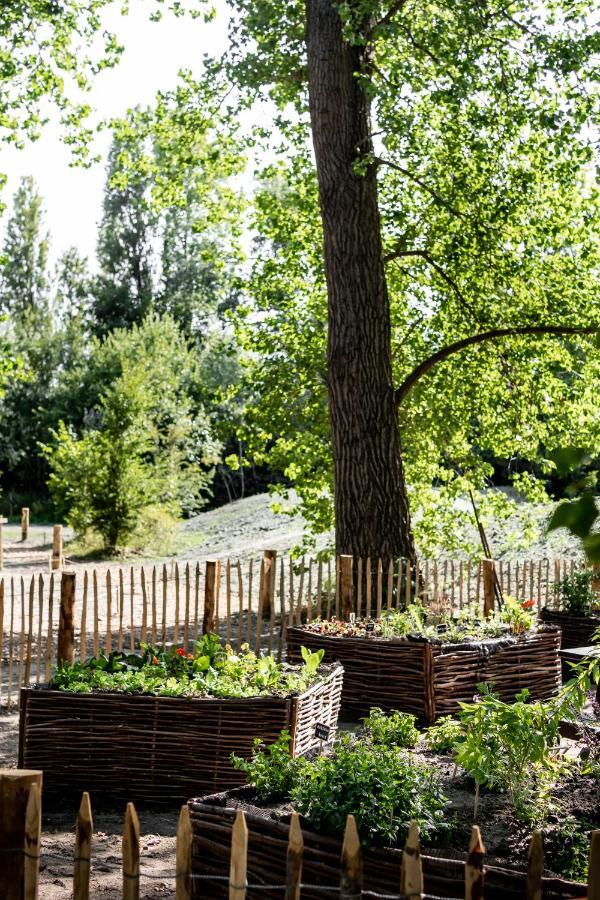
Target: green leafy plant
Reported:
[(575, 593), (519, 615), (381, 786), (444, 735), (394, 730), (210, 670), (568, 846), (271, 770), (512, 747)]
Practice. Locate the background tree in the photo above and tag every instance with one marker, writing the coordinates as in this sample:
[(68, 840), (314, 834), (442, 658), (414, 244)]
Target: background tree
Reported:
[(144, 448), (125, 286), (24, 262), (474, 212)]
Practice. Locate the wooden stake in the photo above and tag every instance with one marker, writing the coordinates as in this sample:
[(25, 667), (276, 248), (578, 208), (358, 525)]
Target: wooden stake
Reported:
[(176, 625), (535, 867), (31, 843), (108, 639), (186, 621), (183, 856), (474, 867), (15, 785), (57, 547), (208, 623), (29, 631), (295, 851), (83, 627), (144, 628), (488, 587), (24, 523), (84, 829), (267, 582), (346, 588), (351, 870), (239, 858), (411, 871), (96, 633), (66, 624), (49, 638), (38, 665), (594, 867), (131, 854)]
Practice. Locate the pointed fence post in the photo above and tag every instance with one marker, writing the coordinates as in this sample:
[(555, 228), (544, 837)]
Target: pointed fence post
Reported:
[(295, 852), (131, 854), (535, 867), (411, 871), (351, 879), (66, 622), (210, 579), (15, 786), (84, 829), (238, 868), (183, 856), (474, 867), (31, 843), (347, 587)]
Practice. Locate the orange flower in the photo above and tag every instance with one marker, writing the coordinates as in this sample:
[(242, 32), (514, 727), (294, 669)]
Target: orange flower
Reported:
[(180, 651), (190, 656), (154, 660), (528, 604)]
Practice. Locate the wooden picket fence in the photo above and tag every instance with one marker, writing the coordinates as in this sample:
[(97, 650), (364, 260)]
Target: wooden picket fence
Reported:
[(253, 602), (21, 850)]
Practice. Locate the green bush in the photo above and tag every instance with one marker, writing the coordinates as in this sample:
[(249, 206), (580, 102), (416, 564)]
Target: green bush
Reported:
[(382, 787), (394, 730), (444, 735), (513, 747), (576, 594)]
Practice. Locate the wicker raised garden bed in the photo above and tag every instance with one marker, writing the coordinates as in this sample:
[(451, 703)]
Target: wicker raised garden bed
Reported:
[(430, 679), (160, 750), (577, 631), (212, 818)]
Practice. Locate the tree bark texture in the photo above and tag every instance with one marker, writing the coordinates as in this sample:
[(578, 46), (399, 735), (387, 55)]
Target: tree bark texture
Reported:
[(371, 504)]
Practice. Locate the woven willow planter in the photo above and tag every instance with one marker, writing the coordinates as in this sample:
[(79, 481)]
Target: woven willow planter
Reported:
[(160, 750), (577, 631), (212, 818), (430, 679)]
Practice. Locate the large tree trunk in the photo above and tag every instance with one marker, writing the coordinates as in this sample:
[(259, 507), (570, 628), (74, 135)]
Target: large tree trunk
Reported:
[(371, 506)]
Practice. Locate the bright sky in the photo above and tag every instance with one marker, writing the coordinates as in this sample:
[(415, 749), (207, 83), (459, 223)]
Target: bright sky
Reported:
[(153, 55)]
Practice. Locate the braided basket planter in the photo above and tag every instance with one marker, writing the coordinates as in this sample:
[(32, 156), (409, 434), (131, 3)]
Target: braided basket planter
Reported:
[(212, 818), (160, 750), (430, 679), (577, 631)]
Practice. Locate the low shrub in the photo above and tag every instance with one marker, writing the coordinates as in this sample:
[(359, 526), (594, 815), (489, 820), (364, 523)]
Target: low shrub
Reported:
[(444, 735), (383, 787), (394, 730), (575, 593), (513, 747)]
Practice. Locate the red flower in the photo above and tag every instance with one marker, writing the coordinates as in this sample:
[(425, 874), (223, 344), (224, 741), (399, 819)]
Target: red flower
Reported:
[(528, 604), (180, 651), (154, 660)]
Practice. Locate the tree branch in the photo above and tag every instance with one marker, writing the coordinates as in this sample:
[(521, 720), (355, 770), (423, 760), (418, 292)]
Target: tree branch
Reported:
[(423, 254), (393, 11), (407, 385), (431, 191)]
